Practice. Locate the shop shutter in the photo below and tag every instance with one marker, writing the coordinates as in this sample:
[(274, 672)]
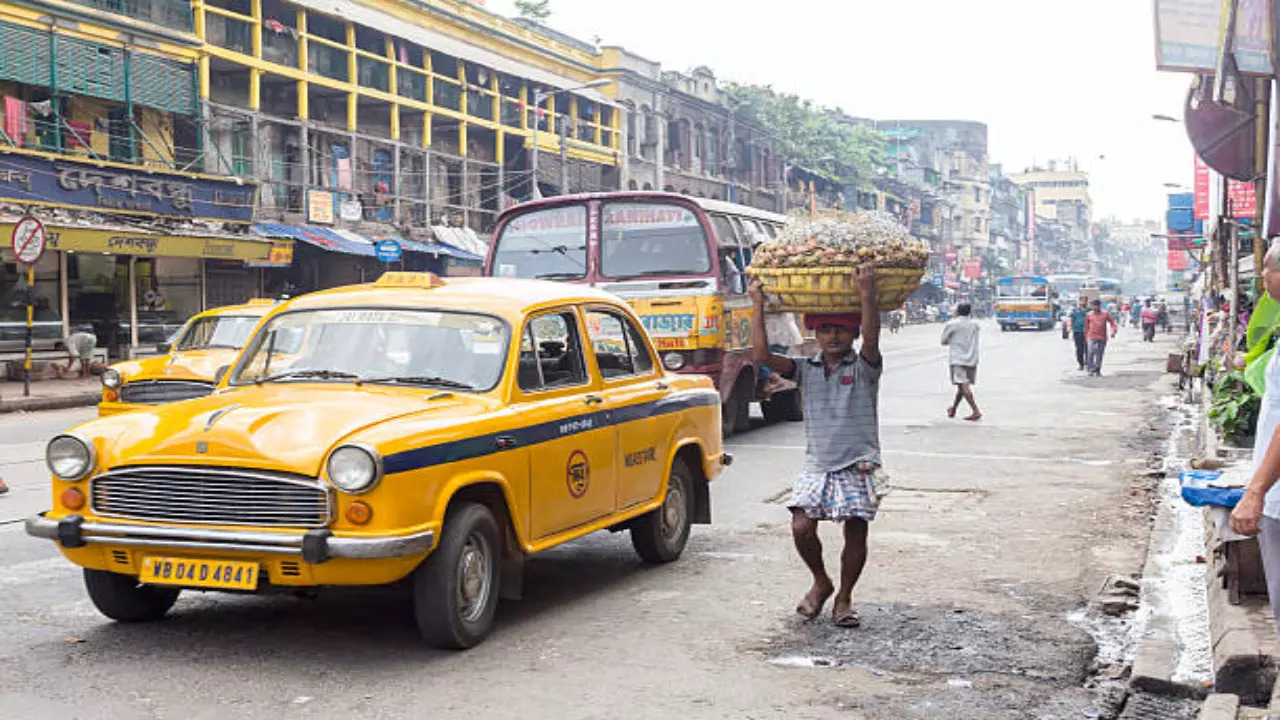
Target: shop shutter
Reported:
[(162, 84), (90, 69), (24, 54)]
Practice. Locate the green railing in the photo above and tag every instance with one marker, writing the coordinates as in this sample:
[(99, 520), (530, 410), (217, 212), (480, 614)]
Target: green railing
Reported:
[(174, 14)]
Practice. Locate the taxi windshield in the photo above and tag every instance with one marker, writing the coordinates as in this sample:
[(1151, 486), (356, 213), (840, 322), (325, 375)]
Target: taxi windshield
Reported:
[(432, 348), (224, 331), (651, 240), (549, 244)]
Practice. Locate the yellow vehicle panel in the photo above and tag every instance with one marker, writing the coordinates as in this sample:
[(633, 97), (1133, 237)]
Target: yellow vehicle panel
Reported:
[(551, 463), (197, 366)]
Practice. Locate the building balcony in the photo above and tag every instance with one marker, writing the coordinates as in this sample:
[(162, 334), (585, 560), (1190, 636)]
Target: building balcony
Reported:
[(173, 14)]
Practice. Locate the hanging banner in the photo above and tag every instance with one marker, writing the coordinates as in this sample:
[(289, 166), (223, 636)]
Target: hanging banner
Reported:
[(1242, 196), (1177, 260), (1188, 31)]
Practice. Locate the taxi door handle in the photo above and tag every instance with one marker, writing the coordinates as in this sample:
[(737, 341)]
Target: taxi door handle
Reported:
[(505, 442), (593, 400)]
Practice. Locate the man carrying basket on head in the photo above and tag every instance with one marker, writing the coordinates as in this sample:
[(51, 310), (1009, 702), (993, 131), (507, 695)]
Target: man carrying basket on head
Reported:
[(839, 481)]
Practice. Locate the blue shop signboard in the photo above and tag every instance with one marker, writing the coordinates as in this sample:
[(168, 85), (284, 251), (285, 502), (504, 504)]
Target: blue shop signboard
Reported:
[(31, 179)]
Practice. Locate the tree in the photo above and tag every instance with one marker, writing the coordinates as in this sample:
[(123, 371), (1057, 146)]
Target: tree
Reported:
[(536, 10), (819, 138)]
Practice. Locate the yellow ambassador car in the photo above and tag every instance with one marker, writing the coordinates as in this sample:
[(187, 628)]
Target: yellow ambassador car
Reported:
[(186, 368), (419, 429)]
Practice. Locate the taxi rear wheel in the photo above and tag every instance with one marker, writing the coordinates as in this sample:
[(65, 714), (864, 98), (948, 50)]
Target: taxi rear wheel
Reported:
[(123, 599), (455, 590), (660, 536)]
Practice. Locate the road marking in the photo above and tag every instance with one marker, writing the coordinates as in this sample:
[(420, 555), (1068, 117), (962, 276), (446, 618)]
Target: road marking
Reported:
[(955, 456)]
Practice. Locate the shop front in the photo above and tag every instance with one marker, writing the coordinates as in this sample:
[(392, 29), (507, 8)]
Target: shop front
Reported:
[(127, 251), (132, 289)]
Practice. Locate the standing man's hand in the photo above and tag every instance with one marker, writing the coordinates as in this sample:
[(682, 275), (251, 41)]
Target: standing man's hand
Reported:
[(866, 280), (755, 289), (1247, 515)]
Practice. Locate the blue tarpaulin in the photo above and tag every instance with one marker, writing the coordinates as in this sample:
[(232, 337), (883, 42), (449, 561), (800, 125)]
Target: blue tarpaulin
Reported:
[(1197, 490), (320, 237)]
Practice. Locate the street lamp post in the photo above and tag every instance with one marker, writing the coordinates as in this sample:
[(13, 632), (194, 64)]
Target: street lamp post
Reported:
[(538, 98)]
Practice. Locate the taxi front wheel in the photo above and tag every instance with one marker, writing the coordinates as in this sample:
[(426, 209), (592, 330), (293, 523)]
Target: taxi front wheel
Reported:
[(660, 536), (123, 599), (455, 590)]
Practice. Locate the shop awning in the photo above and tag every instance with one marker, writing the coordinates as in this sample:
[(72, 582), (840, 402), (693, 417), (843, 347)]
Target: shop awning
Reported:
[(408, 245), (323, 238), (460, 237), (457, 253)]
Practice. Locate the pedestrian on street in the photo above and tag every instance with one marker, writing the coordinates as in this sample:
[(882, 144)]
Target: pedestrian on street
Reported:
[(1095, 333), (1135, 313), (1078, 315), (840, 386), (80, 346), (962, 336), (1258, 512), (1150, 316)]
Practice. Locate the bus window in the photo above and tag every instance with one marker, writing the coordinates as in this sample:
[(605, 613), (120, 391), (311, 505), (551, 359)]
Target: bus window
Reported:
[(651, 239), (550, 244), (724, 230)]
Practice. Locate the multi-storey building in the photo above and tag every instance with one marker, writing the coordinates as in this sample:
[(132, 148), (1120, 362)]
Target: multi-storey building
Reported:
[(101, 139), (680, 136), (385, 118), (1061, 192), (1008, 220)]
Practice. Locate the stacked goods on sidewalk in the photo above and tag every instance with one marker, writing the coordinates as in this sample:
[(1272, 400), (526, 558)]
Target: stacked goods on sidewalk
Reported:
[(812, 267)]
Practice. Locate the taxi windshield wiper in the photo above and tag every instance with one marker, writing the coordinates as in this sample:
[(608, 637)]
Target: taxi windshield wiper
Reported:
[(422, 380), (559, 276), (321, 374)]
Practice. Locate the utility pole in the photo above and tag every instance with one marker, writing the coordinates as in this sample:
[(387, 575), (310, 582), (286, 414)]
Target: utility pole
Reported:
[(538, 98), (1262, 115), (564, 155)]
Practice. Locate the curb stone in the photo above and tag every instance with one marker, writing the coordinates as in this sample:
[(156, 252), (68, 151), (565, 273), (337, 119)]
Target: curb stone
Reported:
[(29, 404), (1220, 706)]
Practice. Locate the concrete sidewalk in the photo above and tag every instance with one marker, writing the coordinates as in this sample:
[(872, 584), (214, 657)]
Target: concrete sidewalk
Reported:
[(50, 394)]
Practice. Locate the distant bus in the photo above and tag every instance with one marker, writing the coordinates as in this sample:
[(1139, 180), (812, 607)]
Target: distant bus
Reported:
[(1026, 301), (1069, 284), (1109, 291)]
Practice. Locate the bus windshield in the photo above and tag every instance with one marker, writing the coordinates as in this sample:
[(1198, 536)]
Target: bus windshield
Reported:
[(651, 239), (550, 244), (1022, 288)]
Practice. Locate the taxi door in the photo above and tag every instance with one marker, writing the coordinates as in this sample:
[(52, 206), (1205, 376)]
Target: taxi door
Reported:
[(634, 389), (572, 474)]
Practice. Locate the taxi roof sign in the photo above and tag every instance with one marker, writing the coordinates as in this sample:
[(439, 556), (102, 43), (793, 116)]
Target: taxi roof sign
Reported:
[(421, 280)]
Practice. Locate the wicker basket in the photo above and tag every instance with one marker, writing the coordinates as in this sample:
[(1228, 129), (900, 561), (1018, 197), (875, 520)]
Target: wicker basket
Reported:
[(834, 289)]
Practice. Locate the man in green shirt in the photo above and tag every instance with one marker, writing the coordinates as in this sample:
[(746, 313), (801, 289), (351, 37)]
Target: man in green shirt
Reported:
[(1078, 314)]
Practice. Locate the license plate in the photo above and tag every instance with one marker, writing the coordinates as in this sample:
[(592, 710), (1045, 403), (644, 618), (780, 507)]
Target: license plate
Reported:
[(190, 572)]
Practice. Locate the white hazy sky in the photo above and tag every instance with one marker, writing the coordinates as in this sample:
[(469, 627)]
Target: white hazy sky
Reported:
[(1051, 79)]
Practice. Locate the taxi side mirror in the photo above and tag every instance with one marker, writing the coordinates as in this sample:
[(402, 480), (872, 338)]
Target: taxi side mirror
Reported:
[(220, 374)]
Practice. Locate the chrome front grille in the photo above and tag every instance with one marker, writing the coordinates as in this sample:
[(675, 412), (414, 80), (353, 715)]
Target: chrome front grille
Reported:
[(210, 496), (163, 391)]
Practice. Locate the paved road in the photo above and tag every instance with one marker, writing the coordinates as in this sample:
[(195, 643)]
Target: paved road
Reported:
[(996, 532)]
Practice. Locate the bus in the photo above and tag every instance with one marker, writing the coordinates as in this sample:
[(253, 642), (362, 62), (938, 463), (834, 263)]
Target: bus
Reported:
[(678, 260), (1026, 301), (1069, 285), (1109, 291)]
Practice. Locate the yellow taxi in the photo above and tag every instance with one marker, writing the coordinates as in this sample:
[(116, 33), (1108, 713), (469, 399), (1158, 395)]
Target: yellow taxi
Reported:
[(414, 428), (187, 366)]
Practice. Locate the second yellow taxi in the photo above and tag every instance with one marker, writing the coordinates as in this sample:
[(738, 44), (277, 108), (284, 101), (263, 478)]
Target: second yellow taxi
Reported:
[(411, 429), (187, 365)]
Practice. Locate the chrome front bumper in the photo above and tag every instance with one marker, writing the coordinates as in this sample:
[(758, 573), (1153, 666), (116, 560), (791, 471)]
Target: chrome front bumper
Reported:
[(313, 546)]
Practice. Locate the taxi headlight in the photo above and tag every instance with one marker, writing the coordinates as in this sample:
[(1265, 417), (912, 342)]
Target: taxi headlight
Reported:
[(69, 457), (111, 378), (673, 361), (354, 468)]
